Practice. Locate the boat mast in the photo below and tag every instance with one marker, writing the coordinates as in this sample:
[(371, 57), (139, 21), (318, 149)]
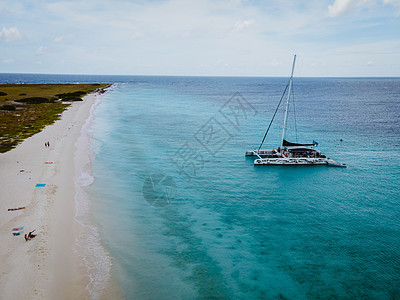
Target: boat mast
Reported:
[(287, 102)]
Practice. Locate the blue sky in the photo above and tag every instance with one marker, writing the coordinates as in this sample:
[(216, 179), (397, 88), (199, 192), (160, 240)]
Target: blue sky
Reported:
[(201, 37)]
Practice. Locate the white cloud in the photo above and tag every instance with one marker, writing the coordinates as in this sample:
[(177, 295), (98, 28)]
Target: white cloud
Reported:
[(240, 25), (275, 63), (237, 2), (341, 7), (63, 38), (394, 2), (41, 50), (7, 61), (10, 35)]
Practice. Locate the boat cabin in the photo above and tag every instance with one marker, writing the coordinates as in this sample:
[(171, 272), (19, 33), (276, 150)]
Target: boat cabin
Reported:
[(302, 151)]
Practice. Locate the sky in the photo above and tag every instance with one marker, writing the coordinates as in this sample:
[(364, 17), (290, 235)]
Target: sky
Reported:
[(332, 38)]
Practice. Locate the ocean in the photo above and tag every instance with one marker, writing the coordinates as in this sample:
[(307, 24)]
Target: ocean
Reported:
[(179, 212)]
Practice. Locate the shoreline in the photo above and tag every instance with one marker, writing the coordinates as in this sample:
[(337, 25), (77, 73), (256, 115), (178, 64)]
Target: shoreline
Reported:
[(47, 266), (94, 260)]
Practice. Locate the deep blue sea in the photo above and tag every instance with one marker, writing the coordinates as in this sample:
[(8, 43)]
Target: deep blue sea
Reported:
[(183, 214)]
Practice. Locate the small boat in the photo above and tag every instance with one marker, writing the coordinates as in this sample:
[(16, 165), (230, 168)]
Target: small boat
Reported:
[(290, 154)]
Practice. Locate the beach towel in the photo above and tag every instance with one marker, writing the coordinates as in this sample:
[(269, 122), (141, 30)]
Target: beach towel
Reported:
[(23, 172), (17, 231), (40, 185), (18, 208)]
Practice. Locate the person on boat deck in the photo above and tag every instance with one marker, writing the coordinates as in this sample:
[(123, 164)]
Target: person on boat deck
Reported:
[(280, 152)]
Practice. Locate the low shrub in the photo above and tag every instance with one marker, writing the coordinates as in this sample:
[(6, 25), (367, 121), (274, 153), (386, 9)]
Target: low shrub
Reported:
[(9, 107), (75, 96), (34, 100)]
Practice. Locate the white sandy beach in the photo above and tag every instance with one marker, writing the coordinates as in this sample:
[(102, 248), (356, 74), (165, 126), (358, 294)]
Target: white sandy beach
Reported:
[(45, 267)]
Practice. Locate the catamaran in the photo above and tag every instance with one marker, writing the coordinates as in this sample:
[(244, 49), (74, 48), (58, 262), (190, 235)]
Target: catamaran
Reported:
[(290, 153)]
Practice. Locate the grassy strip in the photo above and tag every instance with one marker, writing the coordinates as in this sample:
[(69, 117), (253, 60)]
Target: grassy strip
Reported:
[(25, 109)]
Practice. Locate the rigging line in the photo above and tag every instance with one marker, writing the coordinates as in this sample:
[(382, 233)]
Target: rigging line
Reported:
[(270, 123)]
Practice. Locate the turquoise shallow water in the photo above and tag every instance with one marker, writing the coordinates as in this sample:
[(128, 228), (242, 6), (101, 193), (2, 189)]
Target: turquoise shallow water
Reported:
[(222, 228), (218, 227)]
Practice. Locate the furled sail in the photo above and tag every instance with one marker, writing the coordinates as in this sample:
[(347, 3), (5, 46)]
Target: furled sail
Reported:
[(289, 144)]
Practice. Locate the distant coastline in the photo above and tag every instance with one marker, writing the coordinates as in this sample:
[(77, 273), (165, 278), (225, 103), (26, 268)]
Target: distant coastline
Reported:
[(25, 109)]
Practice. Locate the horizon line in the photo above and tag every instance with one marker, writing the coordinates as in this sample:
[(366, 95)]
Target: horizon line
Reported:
[(222, 76)]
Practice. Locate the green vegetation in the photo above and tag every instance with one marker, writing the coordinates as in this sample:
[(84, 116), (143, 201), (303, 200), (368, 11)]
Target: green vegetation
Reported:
[(7, 107), (74, 96), (25, 109), (35, 100)]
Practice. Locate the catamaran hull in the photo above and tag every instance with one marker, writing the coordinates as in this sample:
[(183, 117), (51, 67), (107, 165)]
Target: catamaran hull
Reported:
[(291, 161), (297, 162)]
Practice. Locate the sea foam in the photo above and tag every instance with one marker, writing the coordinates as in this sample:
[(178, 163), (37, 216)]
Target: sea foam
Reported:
[(88, 243)]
